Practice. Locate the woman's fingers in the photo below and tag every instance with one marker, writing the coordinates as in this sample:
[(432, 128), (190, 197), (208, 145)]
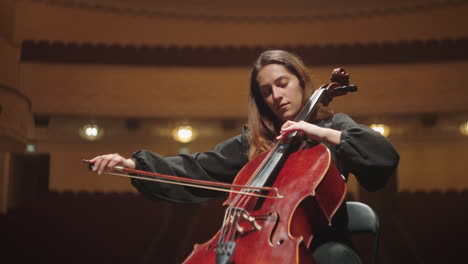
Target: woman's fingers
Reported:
[(287, 129), (97, 163), (116, 160), (106, 162), (101, 164), (311, 130), (287, 125)]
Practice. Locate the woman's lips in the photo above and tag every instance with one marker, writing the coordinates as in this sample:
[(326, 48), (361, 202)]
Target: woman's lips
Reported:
[(282, 106)]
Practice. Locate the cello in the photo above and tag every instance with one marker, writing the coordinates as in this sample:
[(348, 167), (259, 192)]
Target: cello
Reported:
[(278, 199), (309, 189)]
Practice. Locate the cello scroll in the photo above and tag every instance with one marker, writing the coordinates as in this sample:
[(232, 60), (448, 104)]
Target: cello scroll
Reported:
[(339, 86)]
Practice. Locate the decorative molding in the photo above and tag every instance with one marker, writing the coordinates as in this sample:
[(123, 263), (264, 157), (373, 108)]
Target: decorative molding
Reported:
[(17, 93), (371, 53), (187, 14)]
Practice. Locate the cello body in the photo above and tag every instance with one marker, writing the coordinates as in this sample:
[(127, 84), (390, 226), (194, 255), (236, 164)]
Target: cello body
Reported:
[(280, 230)]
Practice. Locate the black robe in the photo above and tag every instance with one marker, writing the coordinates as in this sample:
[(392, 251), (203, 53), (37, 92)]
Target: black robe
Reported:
[(361, 151)]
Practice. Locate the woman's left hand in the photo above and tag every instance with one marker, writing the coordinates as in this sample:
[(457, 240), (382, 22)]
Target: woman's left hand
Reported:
[(310, 130)]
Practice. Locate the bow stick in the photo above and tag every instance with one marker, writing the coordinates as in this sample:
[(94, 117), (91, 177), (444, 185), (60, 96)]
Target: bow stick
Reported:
[(209, 185)]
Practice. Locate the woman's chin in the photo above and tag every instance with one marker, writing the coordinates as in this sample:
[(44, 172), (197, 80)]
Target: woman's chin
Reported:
[(285, 118)]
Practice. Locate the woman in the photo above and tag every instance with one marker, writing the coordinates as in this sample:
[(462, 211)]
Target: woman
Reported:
[(280, 86)]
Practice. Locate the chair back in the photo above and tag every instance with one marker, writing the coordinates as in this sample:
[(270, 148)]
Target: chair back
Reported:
[(362, 219)]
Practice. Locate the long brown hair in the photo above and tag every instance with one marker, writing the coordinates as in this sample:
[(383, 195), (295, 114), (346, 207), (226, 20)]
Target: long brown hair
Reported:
[(263, 124)]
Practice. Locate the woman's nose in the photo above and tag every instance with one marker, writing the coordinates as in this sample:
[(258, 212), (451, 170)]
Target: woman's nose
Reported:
[(276, 93)]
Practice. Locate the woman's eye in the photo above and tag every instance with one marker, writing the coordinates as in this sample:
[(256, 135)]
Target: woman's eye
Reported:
[(283, 83), (266, 92)]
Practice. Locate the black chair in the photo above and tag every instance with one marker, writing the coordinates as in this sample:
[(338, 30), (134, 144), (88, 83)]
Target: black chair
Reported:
[(336, 253), (362, 219)]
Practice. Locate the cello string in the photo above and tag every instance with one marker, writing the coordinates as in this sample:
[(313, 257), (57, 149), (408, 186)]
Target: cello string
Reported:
[(228, 229), (223, 231), (231, 219), (235, 223), (231, 228), (230, 222), (241, 201)]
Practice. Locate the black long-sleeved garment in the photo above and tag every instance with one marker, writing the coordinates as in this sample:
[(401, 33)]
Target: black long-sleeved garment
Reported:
[(362, 152)]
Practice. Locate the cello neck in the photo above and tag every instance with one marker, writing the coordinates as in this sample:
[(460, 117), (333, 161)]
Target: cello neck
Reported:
[(280, 151), (311, 106)]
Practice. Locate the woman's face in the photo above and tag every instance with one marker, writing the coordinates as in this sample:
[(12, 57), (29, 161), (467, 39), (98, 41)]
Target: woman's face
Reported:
[(281, 91)]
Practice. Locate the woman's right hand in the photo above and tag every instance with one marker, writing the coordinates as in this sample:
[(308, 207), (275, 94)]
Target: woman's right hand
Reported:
[(109, 161)]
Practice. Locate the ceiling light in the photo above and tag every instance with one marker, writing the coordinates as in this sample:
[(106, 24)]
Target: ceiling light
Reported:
[(183, 134), (384, 130), (91, 132), (30, 148), (464, 128)]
